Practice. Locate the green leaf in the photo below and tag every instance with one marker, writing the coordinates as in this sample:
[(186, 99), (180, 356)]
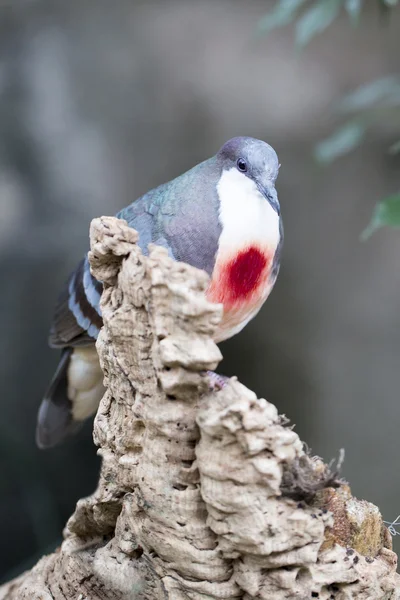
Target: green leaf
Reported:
[(390, 2), (344, 139), (395, 148), (353, 8), (386, 213), (282, 14), (366, 96), (316, 20)]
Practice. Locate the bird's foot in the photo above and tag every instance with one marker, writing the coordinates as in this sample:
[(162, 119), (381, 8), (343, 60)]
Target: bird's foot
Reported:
[(216, 382)]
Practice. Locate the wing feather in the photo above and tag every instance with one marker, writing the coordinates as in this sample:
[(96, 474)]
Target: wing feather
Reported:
[(77, 318)]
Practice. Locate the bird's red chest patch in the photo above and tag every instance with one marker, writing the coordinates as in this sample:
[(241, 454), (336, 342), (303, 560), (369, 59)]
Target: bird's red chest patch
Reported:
[(243, 273), (239, 279)]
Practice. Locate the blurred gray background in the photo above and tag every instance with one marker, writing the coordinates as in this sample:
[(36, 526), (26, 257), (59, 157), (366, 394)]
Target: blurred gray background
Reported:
[(100, 101)]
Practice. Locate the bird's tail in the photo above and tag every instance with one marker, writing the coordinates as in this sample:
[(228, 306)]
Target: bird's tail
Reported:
[(54, 417), (72, 396)]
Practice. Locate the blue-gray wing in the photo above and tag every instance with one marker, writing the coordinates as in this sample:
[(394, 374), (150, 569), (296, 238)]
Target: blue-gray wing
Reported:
[(77, 322), (181, 215), (77, 318), (188, 216)]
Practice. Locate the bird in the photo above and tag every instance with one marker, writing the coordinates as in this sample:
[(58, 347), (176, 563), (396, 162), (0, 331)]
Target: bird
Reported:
[(222, 216)]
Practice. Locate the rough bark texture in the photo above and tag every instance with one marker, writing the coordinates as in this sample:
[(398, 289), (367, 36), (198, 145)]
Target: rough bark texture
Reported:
[(201, 494)]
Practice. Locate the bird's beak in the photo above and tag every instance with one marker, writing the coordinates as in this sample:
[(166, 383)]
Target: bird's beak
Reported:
[(268, 190)]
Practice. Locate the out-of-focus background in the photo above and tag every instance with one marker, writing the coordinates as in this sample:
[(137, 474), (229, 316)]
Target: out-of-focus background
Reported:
[(100, 101)]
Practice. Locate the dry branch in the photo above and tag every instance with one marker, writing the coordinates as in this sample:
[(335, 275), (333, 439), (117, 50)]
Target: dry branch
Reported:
[(201, 494)]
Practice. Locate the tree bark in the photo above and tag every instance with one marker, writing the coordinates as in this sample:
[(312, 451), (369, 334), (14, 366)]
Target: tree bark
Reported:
[(202, 494)]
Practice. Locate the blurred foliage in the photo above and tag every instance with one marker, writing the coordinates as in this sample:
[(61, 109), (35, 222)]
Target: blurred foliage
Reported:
[(314, 16), (366, 106), (386, 212), (372, 103)]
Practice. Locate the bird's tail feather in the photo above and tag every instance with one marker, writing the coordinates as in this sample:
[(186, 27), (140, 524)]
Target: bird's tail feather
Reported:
[(55, 420)]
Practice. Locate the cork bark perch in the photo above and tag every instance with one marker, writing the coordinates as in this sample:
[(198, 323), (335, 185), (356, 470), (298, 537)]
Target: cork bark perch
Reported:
[(201, 494)]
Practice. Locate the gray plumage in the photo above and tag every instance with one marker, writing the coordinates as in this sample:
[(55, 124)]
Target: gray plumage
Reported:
[(181, 215)]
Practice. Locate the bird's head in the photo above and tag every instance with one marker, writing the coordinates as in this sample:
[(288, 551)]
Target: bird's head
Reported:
[(255, 160)]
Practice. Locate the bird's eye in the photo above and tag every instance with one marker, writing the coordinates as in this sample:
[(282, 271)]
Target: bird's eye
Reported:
[(241, 165)]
